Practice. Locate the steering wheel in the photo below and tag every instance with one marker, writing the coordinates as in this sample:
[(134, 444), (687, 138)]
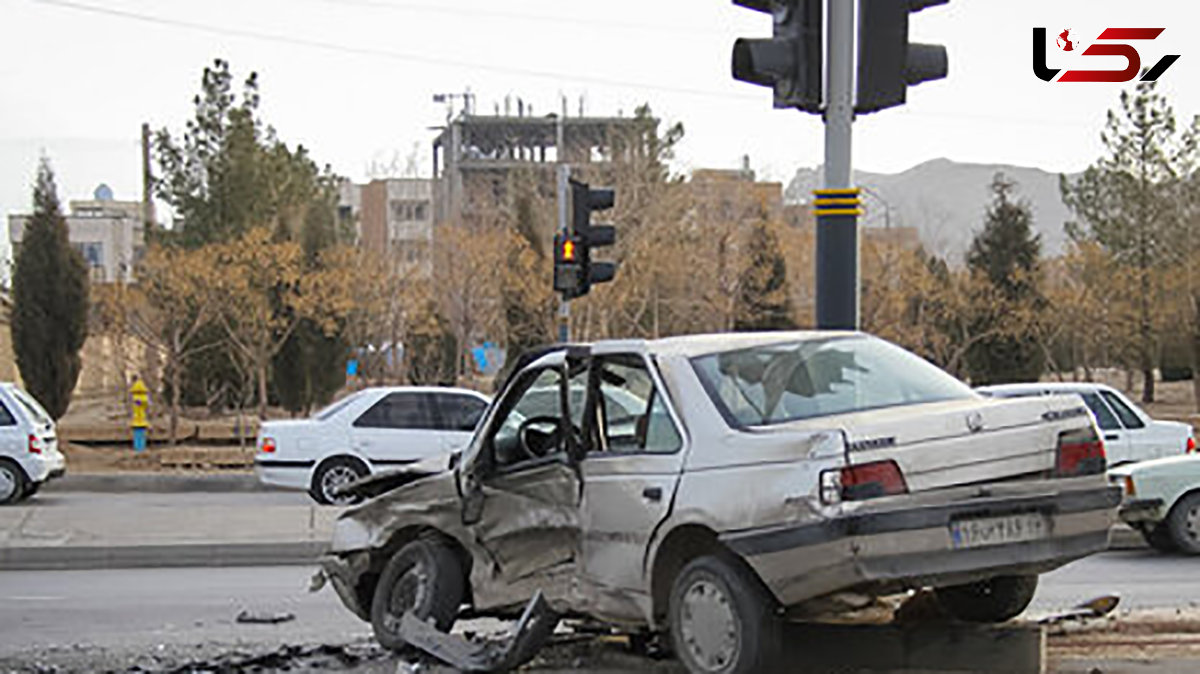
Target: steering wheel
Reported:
[(538, 442)]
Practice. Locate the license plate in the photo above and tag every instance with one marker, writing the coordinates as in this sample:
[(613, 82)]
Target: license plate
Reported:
[(981, 531)]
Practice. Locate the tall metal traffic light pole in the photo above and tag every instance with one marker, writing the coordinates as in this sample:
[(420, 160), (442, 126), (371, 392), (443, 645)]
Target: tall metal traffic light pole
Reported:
[(790, 63), (836, 205)]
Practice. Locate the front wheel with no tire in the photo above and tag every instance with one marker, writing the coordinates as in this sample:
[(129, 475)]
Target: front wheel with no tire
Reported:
[(1183, 523), (722, 619), (992, 600), (334, 474), (425, 577)]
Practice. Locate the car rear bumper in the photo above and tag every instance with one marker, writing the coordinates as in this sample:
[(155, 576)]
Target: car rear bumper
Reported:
[(44, 467), (906, 544)]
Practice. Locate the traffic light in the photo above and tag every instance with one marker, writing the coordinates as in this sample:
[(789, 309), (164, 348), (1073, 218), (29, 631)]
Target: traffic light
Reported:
[(574, 270), (790, 61), (887, 62)]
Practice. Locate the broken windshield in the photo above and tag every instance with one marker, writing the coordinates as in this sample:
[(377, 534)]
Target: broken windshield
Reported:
[(800, 380)]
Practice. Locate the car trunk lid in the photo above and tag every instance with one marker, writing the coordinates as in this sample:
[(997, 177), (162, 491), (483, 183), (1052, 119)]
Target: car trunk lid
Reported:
[(962, 442)]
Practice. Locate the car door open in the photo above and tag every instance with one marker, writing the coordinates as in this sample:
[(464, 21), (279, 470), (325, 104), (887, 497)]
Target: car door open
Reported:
[(524, 509)]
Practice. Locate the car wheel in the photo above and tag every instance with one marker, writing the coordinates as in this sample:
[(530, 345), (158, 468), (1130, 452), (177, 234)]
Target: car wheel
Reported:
[(722, 620), (993, 600), (1158, 536), (12, 482), (333, 474), (1183, 523), (425, 577)]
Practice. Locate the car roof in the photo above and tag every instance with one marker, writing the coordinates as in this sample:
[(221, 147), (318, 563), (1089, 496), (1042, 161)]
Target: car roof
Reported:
[(423, 389), (1055, 386), (699, 345)]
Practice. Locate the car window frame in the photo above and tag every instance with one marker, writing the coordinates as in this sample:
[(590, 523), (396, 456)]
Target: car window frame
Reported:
[(524, 382), (423, 400), (5, 412), (459, 398), (660, 391), (1100, 398), (1109, 397)]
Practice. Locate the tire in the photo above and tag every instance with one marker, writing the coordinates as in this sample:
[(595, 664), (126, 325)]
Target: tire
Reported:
[(717, 594), (1158, 536), (424, 576), (1183, 524), (993, 600), (13, 483), (333, 473)]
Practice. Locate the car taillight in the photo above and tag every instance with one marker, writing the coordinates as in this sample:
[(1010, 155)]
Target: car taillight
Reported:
[(1129, 490), (268, 445), (864, 481), (1191, 445), (1080, 452), (35, 447)]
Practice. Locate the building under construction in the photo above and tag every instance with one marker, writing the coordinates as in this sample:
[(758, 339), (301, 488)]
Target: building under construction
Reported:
[(475, 157)]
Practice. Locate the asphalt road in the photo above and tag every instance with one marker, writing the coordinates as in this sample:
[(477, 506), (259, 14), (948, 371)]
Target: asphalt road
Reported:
[(151, 607), (132, 607), (1144, 579)]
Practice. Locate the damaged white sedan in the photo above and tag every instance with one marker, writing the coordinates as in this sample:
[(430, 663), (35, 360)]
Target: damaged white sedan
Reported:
[(756, 476)]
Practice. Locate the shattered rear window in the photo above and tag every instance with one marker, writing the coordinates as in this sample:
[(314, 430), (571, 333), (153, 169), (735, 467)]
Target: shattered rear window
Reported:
[(778, 383)]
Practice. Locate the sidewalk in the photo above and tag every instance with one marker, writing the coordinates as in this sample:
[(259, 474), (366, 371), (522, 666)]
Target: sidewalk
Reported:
[(143, 520), (125, 521)]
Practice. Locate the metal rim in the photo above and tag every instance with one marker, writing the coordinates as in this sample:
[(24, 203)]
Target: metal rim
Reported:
[(409, 590), (9, 482), (336, 476), (709, 626), (1191, 523)]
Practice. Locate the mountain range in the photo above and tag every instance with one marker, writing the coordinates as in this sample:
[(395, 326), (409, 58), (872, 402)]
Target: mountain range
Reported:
[(947, 201)]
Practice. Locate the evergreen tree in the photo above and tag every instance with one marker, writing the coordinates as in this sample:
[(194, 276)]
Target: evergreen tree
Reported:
[(1122, 203), (522, 296), (1005, 254), (764, 302), (310, 366), (50, 301)]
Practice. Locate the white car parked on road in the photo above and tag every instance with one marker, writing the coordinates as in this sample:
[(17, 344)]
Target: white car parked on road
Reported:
[(364, 433), (1129, 433), (29, 453)]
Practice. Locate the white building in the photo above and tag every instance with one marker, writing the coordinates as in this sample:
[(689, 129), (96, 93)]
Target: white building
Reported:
[(108, 233)]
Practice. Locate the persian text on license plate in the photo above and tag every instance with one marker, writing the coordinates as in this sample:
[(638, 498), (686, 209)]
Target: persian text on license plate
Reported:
[(981, 531)]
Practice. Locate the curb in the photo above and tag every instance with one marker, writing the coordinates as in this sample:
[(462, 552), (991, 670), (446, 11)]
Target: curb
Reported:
[(144, 556), (159, 483)]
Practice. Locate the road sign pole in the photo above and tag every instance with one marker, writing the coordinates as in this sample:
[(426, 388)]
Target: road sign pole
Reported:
[(837, 205), (564, 305)]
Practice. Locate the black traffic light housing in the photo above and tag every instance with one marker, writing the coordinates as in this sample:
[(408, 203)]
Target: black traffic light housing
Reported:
[(791, 60), (574, 270), (887, 62)]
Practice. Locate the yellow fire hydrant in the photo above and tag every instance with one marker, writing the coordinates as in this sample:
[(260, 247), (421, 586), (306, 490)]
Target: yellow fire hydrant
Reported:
[(139, 421)]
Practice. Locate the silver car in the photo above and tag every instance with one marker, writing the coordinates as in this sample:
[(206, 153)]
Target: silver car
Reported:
[(757, 476)]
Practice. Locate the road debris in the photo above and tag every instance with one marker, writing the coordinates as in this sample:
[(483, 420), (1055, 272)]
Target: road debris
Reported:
[(1093, 608), (264, 618), (531, 632)]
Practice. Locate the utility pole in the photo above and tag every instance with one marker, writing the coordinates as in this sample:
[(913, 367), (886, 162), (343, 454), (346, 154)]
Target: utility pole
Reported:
[(837, 205), (147, 182), (564, 193)]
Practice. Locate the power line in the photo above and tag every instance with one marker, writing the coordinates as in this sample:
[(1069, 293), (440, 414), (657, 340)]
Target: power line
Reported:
[(383, 53)]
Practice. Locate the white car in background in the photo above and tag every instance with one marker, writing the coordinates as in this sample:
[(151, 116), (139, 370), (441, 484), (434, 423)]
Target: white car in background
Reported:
[(367, 432), (1129, 433), (29, 455)]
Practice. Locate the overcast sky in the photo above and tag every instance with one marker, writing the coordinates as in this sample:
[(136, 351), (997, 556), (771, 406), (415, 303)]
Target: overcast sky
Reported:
[(353, 79)]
